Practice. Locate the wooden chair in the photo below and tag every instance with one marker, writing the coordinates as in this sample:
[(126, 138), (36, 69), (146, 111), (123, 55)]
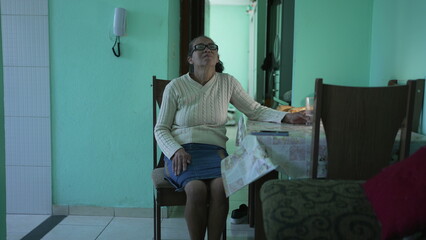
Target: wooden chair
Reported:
[(360, 125), (418, 102), (164, 192)]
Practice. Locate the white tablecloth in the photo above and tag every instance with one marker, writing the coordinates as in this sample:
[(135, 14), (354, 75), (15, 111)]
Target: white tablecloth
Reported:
[(256, 156)]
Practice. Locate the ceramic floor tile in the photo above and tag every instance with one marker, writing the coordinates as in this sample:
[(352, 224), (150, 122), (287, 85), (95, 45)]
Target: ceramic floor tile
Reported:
[(108, 228), (235, 232), (20, 225), (74, 232), (173, 234), (238, 231), (15, 235), (128, 229), (176, 223), (239, 227), (174, 228), (87, 220)]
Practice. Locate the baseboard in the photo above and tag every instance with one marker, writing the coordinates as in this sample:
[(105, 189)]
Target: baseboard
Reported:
[(106, 211)]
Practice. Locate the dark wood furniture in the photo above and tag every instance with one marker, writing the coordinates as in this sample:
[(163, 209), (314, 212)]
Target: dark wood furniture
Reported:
[(418, 102), (360, 125), (164, 192)]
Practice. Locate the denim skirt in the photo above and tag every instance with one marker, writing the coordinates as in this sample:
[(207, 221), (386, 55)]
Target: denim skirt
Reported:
[(205, 164)]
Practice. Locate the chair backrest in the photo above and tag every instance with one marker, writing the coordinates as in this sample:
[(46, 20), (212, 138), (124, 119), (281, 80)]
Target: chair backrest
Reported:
[(158, 86), (418, 102), (361, 124)]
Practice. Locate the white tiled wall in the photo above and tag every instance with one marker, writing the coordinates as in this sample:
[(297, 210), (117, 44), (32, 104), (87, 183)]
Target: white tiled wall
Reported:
[(24, 26)]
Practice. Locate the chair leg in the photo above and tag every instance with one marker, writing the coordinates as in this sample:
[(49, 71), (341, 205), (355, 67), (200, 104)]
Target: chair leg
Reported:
[(224, 233), (155, 218), (157, 222)]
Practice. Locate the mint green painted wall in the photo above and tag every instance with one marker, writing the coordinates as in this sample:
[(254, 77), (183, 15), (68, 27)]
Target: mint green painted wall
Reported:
[(229, 28), (398, 42), (2, 154), (101, 105), (174, 39), (332, 41)]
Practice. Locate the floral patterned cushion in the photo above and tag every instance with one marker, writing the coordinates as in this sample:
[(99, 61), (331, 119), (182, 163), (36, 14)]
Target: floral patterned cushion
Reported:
[(317, 209)]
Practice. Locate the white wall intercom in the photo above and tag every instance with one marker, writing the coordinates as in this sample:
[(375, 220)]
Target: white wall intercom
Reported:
[(119, 27)]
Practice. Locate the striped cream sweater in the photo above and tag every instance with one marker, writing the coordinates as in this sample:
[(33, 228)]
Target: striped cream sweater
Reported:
[(193, 113)]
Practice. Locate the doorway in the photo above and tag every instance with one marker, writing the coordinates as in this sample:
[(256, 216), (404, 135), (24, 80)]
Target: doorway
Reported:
[(278, 63), (269, 52), (228, 25)]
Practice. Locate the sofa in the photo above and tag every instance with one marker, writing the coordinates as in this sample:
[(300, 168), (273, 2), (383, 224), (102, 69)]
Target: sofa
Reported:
[(390, 205)]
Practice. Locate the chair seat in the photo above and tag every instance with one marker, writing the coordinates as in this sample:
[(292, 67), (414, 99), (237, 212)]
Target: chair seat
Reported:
[(314, 209), (159, 180)]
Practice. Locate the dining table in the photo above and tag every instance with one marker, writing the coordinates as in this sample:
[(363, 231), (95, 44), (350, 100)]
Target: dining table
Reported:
[(267, 150)]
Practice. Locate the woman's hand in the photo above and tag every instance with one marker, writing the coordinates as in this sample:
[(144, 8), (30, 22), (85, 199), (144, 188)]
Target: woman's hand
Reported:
[(180, 161), (295, 118)]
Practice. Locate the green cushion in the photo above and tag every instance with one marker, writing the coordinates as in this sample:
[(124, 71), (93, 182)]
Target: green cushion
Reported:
[(317, 209)]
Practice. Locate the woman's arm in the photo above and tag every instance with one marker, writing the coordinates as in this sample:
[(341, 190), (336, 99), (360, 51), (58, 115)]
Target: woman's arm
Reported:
[(254, 111), (165, 120)]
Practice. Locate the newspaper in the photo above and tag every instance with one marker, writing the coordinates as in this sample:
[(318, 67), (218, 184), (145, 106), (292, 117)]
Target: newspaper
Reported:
[(248, 163)]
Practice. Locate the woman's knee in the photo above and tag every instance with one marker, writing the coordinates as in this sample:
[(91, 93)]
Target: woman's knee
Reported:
[(196, 190), (217, 190)]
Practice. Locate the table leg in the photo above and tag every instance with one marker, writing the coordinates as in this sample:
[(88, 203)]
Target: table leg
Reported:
[(251, 204), (259, 231)]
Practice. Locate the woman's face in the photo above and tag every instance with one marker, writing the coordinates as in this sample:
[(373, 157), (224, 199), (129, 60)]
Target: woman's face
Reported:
[(207, 57)]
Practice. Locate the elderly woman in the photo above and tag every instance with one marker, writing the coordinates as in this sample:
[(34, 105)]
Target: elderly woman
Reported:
[(191, 133)]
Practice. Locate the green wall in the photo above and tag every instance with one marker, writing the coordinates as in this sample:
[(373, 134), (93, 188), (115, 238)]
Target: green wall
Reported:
[(173, 38), (2, 154), (101, 104), (101, 111), (398, 42), (229, 28), (332, 41), (360, 43)]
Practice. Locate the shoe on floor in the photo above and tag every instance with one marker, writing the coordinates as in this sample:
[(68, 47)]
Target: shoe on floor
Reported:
[(240, 215)]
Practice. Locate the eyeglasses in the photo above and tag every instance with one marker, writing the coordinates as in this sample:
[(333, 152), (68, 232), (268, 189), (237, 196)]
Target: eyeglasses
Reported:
[(202, 46)]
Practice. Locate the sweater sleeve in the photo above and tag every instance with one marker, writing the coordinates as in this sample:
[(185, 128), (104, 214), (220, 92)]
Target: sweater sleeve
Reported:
[(252, 109), (162, 130)]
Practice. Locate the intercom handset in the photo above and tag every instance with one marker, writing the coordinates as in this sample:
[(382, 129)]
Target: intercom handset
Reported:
[(119, 28)]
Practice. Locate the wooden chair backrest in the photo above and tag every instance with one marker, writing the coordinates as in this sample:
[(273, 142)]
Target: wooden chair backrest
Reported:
[(418, 102), (158, 86), (361, 124)]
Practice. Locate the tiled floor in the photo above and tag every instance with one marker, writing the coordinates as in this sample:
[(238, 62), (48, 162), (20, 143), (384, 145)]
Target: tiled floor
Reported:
[(121, 228)]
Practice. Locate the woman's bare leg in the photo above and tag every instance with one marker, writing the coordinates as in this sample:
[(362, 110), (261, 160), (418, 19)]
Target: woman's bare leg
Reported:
[(196, 208), (218, 210)]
